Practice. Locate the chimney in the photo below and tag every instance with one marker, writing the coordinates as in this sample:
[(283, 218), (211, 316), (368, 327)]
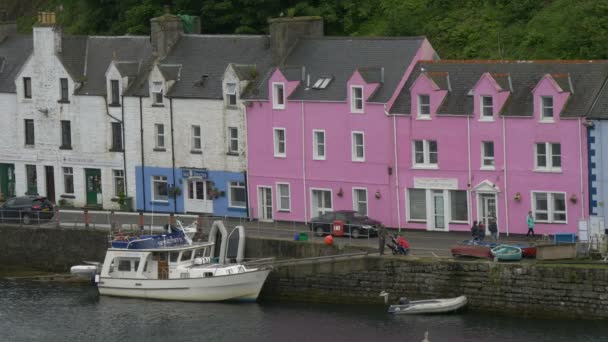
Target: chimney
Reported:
[(47, 34), (165, 32), (285, 32)]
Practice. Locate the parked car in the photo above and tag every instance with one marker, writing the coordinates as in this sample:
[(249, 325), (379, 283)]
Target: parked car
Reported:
[(355, 224), (26, 209)]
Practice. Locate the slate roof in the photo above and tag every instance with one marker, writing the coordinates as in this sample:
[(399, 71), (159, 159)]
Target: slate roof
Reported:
[(128, 69), (599, 110), (245, 72), (210, 55), (339, 58), (170, 72), (14, 52), (371, 74), (586, 77), (72, 56), (100, 51)]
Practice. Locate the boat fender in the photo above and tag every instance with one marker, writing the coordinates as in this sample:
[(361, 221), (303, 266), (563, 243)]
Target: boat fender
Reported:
[(198, 261)]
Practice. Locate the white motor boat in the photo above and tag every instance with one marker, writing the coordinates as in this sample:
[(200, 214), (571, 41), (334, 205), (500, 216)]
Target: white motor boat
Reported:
[(184, 272), (429, 306)]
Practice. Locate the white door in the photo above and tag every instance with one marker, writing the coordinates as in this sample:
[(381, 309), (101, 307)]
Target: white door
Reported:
[(196, 199), (265, 203), (487, 209), (320, 202), (438, 210)]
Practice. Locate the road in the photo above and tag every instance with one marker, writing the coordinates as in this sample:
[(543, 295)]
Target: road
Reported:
[(423, 243)]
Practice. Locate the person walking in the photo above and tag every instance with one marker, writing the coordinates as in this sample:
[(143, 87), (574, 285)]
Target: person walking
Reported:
[(493, 228), (475, 231), (381, 239), (530, 221)]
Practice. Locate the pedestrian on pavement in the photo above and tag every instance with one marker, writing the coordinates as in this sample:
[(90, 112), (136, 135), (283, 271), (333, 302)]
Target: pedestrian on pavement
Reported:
[(481, 231), (475, 231), (530, 221), (381, 239), (493, 228)]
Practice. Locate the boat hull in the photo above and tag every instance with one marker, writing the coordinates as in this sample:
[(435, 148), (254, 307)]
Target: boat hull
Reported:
[(239, 287), (473, 251), (429, 306)]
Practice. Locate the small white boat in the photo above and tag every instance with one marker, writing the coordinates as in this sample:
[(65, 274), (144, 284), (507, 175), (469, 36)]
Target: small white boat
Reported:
[(429, 306), (84, 270)]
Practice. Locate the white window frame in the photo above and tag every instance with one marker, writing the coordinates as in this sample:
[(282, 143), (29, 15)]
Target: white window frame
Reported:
[(239, 184), (158, 135), (331, 196), (408, 204), (277, 142), (550, 209), (356, 202), (161, 179), (275, 95), (450, 198), (548, 157), (196, 138), (280, 197), (354, 99), (315, 151), (484, 157), (115, 177), (544, 118), (232, 139), (155, 90), (426, 164), (69, 173), (483, 107), (354, 156), (420, 115), (231, 94)]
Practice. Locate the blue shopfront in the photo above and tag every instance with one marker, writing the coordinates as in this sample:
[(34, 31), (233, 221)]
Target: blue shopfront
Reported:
[(191, 190)]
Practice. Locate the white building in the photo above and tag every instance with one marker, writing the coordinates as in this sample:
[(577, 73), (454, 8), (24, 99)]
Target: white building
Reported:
[(66, 139)]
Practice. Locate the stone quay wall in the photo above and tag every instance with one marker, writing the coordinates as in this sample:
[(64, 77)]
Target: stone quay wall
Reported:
[(551, 290), (564, 291)]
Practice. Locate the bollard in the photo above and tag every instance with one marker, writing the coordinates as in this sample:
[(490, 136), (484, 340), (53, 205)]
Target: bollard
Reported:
[(141, 220), (171, 219), (57, 222), (86, 218)]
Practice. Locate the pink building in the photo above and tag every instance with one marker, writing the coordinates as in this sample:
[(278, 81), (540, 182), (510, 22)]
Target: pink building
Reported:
[(319, 137), (347, 124)]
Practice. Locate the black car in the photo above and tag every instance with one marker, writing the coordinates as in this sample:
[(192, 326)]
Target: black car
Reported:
[(355, 224), (26, 209)]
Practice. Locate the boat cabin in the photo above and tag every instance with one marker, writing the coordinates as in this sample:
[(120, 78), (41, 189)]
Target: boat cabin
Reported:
[(192, 261)]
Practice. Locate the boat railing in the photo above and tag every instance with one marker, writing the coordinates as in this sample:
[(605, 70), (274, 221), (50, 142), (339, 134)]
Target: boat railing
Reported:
[(260, 262)]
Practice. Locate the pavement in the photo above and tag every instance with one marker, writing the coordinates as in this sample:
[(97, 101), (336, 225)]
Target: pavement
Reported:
[(423, 243)]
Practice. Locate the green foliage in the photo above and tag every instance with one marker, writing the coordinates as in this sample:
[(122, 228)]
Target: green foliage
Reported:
[(521, 29)]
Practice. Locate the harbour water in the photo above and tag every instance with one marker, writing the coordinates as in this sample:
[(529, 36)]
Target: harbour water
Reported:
[(63, 312)]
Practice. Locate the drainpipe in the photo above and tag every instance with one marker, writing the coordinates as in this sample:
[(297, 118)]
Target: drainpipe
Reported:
[(304, 162), (124, 150), (504, 156), (246, 176), (396, 168), (143, 164), (580, 145), (172, 154), (469, 180)]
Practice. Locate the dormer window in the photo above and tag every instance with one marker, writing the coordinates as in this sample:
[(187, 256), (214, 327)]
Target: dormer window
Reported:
[(356, 99), (278, 96), (424, 106), (546, 108), (157, 93), (231, 94), (115, 92), (63, 84), (487, 108), (27, 88)]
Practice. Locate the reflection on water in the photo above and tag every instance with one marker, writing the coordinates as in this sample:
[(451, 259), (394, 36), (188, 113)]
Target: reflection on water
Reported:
[(60, 312)]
